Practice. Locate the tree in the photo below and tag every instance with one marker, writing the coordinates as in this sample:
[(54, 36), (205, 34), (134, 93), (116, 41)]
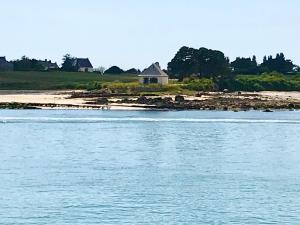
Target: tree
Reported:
[(100, 70), (114, 70), (245, 66), (27, 64), (133, 71), (201, 62), (265, 59), (68, 63), (278, 64), (182, 64)]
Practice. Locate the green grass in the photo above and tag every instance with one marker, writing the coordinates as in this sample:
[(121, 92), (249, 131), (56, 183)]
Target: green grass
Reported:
[(56, 80), (126, 83)]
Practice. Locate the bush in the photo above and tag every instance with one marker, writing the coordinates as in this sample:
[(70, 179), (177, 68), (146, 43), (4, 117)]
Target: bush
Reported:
[(267, 82), (202, 84)]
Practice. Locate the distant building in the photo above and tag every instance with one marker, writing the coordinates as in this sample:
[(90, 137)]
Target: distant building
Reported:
[(154, 75), (83, 65), (5, 65), (48, 65)]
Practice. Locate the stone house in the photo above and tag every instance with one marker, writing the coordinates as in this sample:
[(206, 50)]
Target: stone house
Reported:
[(154, 75), (83, 65)]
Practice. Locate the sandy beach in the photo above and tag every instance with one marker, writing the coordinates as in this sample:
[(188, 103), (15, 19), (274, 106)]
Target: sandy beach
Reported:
[(58, 100)]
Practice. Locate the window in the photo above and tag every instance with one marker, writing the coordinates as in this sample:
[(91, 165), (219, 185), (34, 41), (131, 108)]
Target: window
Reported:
[(153, 80), (146, 80)]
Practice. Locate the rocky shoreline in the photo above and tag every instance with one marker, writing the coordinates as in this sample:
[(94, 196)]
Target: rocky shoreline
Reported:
[(238, 101), (202, 101)]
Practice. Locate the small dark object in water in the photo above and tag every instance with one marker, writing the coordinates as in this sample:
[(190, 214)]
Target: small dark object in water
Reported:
[(268, 110)]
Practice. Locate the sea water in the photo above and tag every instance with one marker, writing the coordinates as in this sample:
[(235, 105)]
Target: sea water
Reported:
[(149, 167)]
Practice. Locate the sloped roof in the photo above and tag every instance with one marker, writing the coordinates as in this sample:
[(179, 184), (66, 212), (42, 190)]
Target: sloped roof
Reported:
[(83, 63), (2, 59), (48, 64), (154, 70)]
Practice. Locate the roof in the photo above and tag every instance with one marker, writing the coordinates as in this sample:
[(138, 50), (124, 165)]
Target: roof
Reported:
[(5, 65), (3, 59), (48, 64), (82, 63), (154, 70)]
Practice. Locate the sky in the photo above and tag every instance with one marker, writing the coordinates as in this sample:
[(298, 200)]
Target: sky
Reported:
[(136, 33)]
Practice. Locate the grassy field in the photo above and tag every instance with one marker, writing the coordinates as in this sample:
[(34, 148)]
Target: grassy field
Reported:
[(123, 83), (56, 80), (126, 83)]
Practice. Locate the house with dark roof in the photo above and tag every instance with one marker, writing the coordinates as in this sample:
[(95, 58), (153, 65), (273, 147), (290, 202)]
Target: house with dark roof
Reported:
[(5, 65), (47, 65), (83, 65), (154, 75)]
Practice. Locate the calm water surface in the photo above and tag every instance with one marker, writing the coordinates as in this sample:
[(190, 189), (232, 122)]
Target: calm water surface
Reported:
[(94, 167)]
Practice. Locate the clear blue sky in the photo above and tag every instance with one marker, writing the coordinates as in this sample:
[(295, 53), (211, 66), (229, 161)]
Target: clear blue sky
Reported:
[(135, 33)]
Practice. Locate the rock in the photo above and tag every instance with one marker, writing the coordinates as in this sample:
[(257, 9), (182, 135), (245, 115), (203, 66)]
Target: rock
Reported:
[(168, 99), (267, 110), (102, 101), (199, 94), (179, 98), (142, 100)]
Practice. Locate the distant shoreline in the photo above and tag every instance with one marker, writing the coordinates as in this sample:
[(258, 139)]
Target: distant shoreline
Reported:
[(74, 99)]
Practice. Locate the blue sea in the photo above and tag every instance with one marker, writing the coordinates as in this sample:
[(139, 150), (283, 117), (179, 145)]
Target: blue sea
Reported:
[(149, 167)]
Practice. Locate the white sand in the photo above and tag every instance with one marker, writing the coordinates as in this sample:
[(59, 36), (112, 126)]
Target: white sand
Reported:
[(57, 98), (47, 97)]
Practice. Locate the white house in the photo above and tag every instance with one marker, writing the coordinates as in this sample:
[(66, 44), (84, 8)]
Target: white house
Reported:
[(154, 75)]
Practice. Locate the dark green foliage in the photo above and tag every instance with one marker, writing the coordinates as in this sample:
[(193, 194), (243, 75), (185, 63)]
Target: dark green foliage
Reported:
[(68, 63), (201, 62), (27, 64), (207, 63), (202, 84), (266, 82), (245, 66), (133, 71), (114, 70), (279, 64)]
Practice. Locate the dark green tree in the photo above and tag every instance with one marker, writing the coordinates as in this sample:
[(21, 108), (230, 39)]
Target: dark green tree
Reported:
[(114, 70), (245, 66), (278, 64), (201, 62), (68, 63), (133, 71), (27, 64)]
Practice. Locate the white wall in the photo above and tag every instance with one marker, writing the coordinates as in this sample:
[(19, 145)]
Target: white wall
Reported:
[(83, 69), (161, 80)]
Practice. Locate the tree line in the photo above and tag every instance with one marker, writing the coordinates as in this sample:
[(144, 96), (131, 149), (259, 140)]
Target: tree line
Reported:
[(202, 63), (208, 63)]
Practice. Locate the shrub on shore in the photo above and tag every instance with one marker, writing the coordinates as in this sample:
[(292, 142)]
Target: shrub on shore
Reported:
[(202, 84), (267, 82)]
